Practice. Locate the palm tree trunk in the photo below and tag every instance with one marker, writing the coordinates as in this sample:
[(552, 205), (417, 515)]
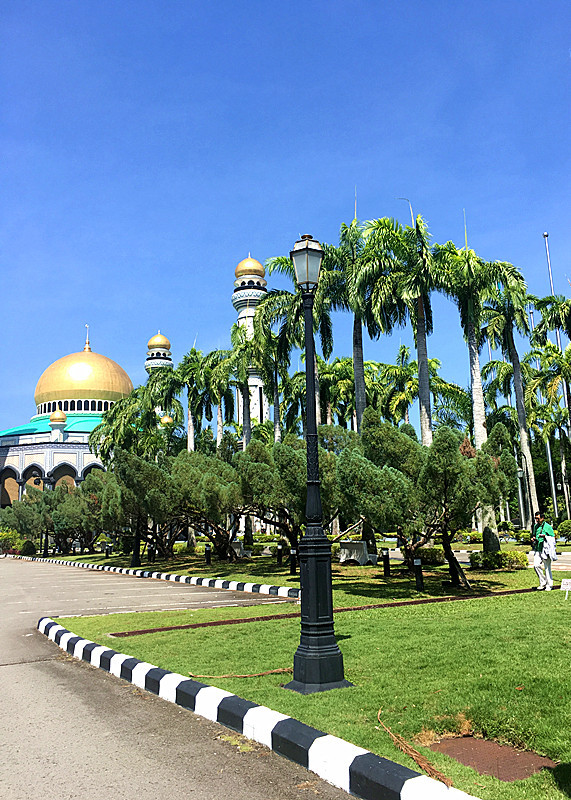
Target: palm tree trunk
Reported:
[(219, 424), (329, 414), (522, 424), (478, 407), (190, 431), (277, 423), (564, 472), (359, 370), (423, 381), (486, 514), (246, 421)]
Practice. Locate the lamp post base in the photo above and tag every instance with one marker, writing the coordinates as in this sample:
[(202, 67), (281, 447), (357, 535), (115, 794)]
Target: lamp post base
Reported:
[(312, 688)]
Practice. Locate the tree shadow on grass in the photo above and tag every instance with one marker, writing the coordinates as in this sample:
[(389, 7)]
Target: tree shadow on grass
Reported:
[(401, 585), (562, 777)]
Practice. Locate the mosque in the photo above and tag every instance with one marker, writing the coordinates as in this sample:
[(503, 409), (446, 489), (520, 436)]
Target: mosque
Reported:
[(75, 391)]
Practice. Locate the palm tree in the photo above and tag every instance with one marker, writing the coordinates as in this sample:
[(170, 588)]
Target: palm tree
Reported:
[(403, 266), (555, 316), (293, 404), (504, 313), (272, 368), (555, 366), (401, 386), (191, 373), (468, 280), (240, 361), (162, 390), (342, 270), (217, 378), (131, 424), (284, 309)]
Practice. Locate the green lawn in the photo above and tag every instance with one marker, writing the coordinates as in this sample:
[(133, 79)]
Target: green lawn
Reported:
[(500, 663), (352, 585)]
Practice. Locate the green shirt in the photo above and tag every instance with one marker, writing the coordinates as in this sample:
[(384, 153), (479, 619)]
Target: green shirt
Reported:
[(540, 531)]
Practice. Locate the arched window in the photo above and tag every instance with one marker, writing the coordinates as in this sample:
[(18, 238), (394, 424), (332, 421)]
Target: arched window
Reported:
[(72, 405), (93, 405), (79, 405), (65, 405), (59, 405), (106, 406), (100, 405)]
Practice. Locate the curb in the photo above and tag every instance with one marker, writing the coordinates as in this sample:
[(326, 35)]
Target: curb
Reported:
[(338, 762), (212, 583)]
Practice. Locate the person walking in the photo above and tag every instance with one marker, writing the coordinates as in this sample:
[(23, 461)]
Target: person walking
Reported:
[(543, 541)]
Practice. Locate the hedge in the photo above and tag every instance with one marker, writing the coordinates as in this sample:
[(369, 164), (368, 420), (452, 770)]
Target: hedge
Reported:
[(509, 559), (432, 556)]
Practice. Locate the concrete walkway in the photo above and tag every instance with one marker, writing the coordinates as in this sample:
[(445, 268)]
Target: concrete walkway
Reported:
[(71, 731)]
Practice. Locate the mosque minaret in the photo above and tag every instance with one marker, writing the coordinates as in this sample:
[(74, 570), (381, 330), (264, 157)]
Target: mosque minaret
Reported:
[(249, 289), (158, 353)]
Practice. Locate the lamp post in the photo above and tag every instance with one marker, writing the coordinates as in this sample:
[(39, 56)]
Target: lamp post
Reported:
[(318, 662)]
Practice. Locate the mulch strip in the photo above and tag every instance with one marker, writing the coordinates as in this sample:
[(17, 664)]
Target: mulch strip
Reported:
[(490, 758), (272, 617)]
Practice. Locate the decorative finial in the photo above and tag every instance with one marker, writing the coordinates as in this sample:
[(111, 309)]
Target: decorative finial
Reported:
[(87, 348), (249, 254)]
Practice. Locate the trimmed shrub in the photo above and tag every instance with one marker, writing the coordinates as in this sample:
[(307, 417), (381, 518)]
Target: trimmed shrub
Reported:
[(522, 536), (564, 529), (432, 556), (28, 548), (507, 559)]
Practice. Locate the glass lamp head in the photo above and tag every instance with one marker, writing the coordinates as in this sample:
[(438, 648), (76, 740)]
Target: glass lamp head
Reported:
[(307, 256)]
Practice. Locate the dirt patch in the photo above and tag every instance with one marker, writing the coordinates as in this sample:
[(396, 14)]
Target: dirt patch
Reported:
[(490, 758)]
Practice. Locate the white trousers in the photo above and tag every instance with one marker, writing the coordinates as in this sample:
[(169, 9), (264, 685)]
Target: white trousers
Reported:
[(543, 568)]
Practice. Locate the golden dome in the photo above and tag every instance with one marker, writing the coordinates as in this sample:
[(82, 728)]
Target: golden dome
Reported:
[(166, 420), (83, 376), (249, 266), (58, 416), (158, 340)]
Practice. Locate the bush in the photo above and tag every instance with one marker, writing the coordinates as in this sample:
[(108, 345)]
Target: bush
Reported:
[(508, 559), (564, 529), (432, 556), (522, 536), (28, 548), (10, 541)]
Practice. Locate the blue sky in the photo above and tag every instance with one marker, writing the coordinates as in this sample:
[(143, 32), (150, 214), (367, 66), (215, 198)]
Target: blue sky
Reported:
[(148, 146)]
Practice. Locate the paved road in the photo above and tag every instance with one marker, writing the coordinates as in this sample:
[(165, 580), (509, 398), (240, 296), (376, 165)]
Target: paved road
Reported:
[(71, 731)]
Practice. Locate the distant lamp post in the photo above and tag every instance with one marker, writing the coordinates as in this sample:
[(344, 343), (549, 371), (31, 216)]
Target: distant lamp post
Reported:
[(318, 662)]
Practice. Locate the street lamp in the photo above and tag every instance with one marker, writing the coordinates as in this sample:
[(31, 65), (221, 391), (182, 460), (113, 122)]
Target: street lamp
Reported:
[(318, 662)]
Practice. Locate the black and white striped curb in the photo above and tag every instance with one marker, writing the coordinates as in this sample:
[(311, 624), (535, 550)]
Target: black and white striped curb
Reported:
[(341, 763), (213, 583)]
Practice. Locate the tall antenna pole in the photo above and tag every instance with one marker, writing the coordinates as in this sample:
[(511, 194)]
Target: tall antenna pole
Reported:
[(547, 443), (465, 230), (355, 217), (546, 237), (410, 206)]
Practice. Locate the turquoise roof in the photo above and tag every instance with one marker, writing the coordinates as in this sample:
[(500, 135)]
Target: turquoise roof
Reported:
[(76, 423)]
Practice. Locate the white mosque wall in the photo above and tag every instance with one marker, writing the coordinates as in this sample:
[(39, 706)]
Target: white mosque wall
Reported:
[(63, 457)]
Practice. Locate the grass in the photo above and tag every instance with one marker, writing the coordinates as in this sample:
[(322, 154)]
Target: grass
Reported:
[(496, 666), (352, 585)]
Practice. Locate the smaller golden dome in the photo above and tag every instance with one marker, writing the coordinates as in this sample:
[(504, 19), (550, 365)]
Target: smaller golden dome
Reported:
[(58, 416), (249, 266), (158, 340), (166, 420)]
